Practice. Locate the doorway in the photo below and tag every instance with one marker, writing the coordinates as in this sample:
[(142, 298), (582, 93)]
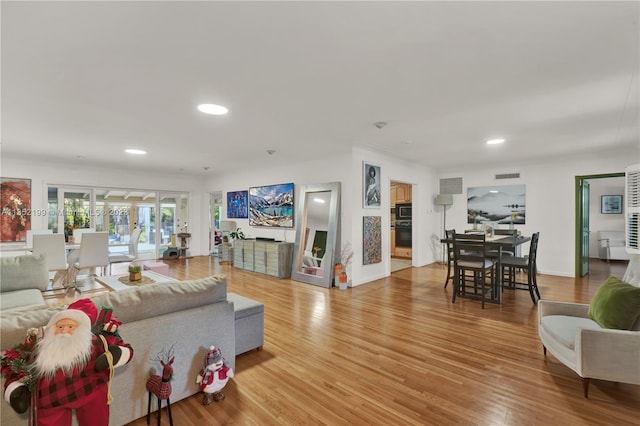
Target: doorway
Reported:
[(401, 225), (583, 201)]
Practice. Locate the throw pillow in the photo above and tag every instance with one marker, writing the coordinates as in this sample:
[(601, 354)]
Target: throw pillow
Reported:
[(616, 304), (24, 272)]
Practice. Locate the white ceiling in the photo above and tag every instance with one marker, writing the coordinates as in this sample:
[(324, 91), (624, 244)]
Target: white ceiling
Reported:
[(89, 79)]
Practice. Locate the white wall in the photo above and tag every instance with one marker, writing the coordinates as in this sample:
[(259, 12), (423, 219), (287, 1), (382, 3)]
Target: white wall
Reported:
[(550, 200), (43, 174), (597, 220), (348, 171)]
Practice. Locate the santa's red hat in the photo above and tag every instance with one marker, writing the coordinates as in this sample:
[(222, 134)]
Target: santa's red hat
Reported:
[(83, 311)]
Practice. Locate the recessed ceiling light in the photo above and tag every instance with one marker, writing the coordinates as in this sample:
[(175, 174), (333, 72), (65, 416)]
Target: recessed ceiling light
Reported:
[(212, 109), (135, 151), (495, 141)]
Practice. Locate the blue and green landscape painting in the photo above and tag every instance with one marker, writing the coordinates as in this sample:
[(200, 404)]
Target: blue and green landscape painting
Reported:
[(271, 205)]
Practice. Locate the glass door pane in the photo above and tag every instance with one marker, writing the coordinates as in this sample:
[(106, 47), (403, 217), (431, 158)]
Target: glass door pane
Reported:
[(76, 212)]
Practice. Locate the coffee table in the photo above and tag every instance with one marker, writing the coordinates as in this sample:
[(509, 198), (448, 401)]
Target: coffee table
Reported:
[(113, 282)]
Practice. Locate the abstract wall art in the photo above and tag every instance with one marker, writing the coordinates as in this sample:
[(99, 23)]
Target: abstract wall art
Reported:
[(15, 196), (237, 204), (371, 240)]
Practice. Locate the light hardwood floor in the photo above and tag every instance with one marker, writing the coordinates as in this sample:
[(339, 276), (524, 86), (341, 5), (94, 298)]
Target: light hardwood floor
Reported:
[(398, 352)]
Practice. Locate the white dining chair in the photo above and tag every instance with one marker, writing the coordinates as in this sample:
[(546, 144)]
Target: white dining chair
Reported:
[(132, 253), (77, 234), (32, 232), (52, 246), (94, 253)]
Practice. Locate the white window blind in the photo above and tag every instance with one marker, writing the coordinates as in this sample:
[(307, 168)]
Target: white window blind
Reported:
[(632, 210)]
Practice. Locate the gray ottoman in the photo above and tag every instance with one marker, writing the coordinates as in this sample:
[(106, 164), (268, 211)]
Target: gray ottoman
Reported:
[(249, 323)]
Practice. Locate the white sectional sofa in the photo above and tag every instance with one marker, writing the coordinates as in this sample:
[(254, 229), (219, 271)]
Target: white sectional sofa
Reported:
[(192, 315), (22, 280)]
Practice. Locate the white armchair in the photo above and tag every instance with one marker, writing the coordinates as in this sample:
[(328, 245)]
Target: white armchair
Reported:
[(611, 246), (593, 352)]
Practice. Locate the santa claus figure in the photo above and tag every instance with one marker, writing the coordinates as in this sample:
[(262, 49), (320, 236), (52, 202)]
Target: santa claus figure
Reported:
[(214, 376), (72, 366)]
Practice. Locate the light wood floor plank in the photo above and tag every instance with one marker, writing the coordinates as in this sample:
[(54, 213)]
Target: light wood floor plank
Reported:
[(398, 352)]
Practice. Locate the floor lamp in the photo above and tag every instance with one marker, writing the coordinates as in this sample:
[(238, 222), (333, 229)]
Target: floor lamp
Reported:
[(444, 200)]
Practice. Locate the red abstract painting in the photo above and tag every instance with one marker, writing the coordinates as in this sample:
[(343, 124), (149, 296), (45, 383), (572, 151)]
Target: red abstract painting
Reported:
[(15, 196)]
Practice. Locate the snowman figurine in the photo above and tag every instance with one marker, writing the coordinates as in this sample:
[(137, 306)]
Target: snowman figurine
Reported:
[(214, 376)]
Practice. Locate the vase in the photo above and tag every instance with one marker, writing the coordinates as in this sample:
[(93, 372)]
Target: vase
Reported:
[(342, 279), (135, 276)]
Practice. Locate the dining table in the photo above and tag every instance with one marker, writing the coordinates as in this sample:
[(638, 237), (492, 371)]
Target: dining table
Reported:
[(500, 243)]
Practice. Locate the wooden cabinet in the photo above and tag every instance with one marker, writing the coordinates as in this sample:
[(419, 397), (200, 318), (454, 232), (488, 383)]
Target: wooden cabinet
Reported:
[(267, 257), (403, 252), (403, 193), (273, 258), (400, 193), (243, 254), (393, 242)]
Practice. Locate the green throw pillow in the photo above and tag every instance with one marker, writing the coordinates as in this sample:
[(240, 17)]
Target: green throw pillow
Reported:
[(616, 304)]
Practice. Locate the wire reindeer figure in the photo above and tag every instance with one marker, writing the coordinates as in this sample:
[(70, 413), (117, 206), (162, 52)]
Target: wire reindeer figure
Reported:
[(160, 385)]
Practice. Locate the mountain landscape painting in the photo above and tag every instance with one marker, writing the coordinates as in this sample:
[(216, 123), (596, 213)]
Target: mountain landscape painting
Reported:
[(502, 204), (271, 205)]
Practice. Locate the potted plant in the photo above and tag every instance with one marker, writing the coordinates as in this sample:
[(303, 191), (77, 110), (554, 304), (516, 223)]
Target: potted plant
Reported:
[(237, 234), (135, 273)]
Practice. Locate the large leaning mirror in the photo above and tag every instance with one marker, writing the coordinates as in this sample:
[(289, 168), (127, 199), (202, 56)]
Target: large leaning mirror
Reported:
[(317, 246)]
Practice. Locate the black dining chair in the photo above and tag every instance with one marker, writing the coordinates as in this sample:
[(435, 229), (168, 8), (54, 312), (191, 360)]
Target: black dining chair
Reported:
[(527, 263), (493, 253), (449, 234), (474, 273)]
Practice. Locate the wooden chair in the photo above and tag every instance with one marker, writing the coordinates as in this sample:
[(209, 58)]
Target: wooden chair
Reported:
[(528, 263), (471, 263), (493, 253), (449, 234)]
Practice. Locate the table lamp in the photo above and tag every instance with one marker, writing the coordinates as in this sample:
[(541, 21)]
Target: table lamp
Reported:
[(227, 226)]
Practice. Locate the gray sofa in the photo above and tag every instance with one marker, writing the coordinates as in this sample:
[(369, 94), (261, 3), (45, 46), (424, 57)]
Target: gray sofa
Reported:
[(193, 315), (22, 280)]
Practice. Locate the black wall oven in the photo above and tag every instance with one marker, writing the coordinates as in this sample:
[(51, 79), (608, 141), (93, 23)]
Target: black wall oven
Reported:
[(403, 233)]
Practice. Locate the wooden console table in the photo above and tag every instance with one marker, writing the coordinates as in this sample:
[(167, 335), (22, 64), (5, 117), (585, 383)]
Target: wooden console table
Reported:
[(267, 257)]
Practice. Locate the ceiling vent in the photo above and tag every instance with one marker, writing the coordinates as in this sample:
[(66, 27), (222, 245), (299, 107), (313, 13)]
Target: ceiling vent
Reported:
[(451, 186), (508, 176)]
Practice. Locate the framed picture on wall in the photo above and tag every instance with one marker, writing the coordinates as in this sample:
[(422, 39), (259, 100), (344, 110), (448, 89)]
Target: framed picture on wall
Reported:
[(371, 186), (501, 204), (271, 205), (15, 195), (611, 204), (372, 239), (237, 204)]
